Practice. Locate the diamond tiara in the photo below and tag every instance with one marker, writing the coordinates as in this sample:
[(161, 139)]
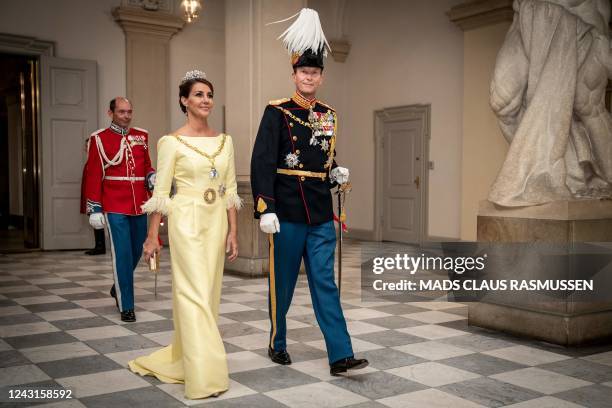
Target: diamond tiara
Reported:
[(195, 74)]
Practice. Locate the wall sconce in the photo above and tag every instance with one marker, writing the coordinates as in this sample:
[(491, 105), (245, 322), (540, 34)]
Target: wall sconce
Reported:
[(192, 8)]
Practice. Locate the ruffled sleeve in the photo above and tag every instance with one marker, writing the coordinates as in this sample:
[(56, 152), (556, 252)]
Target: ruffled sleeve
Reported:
[(232, 198), (166, 158)]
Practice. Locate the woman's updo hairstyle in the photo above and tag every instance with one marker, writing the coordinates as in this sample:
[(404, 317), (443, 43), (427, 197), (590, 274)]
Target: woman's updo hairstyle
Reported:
[(190, 78)]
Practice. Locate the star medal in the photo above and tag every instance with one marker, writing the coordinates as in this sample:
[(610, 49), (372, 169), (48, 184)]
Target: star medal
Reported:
[(292, 160), (324, 145), (222, 190)]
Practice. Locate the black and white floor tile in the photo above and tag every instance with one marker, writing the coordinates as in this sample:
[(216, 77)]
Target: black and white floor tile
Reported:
[(60, 328)]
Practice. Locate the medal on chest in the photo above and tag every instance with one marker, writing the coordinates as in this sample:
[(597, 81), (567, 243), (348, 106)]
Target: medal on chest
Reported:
[(322, 123), (135, 140)]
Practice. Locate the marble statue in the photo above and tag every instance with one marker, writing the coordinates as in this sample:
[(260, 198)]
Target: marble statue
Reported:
[(548, 92)]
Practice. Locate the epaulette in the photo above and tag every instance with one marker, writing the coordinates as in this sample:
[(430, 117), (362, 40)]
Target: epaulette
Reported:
[(279, 101), (326, 105), (141, 129), (97, 131)]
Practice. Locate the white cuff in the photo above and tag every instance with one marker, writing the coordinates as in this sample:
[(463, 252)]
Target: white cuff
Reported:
[(157, 204), (234, 201)]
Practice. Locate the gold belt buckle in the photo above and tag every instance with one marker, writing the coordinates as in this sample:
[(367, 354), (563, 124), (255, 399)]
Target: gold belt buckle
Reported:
[(210, 195)]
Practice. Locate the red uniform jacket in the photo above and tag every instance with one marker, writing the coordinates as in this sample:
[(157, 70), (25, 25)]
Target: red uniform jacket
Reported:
[(118, 171)]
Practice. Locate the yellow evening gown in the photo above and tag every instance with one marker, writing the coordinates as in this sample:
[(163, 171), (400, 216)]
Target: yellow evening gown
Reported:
[(197, 230)]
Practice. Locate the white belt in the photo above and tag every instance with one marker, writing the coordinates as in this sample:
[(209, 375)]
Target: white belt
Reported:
[(124, 178)]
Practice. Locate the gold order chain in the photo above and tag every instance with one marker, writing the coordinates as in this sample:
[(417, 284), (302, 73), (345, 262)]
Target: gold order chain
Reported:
[(195, 149), (292, 116)]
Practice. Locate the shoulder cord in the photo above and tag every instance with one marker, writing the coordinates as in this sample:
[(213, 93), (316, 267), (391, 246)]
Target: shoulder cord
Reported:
[(124, 150), (115, 160)]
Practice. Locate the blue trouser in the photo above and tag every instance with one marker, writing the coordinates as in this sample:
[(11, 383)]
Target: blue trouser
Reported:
[(127, 234), (316, 244)]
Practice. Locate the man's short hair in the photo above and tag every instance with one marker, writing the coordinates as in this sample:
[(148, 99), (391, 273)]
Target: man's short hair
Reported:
[(113, 102)]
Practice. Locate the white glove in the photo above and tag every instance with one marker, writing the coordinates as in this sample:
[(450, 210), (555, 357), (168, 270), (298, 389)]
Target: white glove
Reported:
[(340, 175), (269, 223), (151, 181), (96, 220)]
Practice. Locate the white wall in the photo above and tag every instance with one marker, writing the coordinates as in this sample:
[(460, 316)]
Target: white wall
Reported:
[(403, 52), (200, 45), (80, 30)]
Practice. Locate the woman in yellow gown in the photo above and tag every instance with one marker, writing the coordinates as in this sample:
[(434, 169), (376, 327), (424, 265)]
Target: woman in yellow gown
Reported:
[(201, 227)]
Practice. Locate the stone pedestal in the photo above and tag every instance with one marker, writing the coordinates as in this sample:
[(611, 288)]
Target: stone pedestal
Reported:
[(557, 232)]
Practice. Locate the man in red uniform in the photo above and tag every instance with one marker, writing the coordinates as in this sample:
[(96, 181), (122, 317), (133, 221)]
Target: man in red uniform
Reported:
[(118, 181)]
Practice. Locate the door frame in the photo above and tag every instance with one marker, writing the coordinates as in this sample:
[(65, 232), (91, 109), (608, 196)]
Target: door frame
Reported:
[(33, 47), (400, 114)]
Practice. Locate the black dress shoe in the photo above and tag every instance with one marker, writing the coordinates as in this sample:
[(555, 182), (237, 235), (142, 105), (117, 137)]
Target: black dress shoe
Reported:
[(113, 293), (279, 357), (350, 363), (128, 316)]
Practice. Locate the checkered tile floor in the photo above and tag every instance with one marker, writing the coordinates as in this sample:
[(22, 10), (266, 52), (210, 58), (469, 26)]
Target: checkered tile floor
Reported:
[(59, 327)]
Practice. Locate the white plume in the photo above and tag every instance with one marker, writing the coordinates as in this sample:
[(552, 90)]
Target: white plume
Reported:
[(305, 33)]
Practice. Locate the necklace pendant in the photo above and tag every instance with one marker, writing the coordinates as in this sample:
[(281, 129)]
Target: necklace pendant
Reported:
[(213, 174)]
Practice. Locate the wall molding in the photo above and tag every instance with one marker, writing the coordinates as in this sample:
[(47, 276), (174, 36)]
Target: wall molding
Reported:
[(134, 20), (19, 44), (340, 50), (360, 234), (480, 13), (340, 45)]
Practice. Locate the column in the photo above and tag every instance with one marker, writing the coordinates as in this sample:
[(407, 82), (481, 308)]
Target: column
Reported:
[(257, 71), (147, 38)]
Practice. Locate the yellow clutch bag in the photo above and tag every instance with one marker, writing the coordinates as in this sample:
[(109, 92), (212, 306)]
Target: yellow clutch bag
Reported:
[(154, 262)]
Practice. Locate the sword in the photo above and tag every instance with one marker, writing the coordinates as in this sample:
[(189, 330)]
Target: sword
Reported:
[(342, 190), (339, 243)]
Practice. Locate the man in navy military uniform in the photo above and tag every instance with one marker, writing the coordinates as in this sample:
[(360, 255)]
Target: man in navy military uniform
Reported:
[(292, 172)]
